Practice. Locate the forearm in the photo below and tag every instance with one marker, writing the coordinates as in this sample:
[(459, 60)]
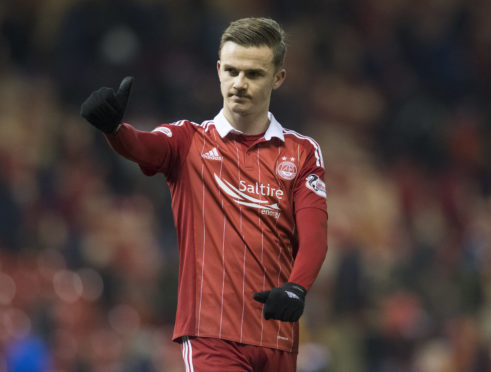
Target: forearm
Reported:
[(312, 234), (144, 148)]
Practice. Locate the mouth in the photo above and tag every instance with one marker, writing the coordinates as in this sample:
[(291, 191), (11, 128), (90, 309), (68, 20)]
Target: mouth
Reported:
[(238, 97)]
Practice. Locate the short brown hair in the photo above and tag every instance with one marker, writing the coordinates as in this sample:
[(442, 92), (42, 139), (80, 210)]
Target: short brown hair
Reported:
[(257, 32)]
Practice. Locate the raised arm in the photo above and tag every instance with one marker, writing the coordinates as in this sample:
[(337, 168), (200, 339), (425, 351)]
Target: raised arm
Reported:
[(154, 151)]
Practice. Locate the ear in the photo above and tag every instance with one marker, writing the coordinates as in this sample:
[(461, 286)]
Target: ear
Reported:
[(279, 78), (218, 69)]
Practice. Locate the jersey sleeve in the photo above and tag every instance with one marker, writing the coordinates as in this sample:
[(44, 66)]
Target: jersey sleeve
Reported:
[(161, 150), (310, 218), (309, 190), (312, 238)]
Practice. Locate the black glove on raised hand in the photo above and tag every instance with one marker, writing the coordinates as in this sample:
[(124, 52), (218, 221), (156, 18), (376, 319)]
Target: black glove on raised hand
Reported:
[(104, 108), (285, 303)]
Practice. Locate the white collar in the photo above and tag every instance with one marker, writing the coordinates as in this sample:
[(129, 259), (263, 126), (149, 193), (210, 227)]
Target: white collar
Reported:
[(223, 127)]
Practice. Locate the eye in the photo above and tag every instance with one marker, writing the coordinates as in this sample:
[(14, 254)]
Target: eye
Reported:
[(254, 74), (232, 71)]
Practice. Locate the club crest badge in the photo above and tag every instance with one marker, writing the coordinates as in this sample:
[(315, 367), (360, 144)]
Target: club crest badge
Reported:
[(287, 169)]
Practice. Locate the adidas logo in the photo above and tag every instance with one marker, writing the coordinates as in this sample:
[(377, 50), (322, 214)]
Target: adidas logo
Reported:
[(212, 155)]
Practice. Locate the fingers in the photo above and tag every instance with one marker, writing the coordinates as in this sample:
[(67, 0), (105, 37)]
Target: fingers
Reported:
[(280, 305), (105, 108), (125, 86), (124, 90), (261, 296), (95, 105)]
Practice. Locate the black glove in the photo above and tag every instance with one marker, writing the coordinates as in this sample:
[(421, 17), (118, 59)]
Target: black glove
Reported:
[(104, 108), (285, 303)]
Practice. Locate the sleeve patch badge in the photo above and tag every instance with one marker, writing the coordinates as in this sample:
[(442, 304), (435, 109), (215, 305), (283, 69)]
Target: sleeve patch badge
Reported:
[(314, 183)]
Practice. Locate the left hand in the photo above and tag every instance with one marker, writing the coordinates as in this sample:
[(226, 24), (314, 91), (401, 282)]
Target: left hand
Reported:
[(285, 303)]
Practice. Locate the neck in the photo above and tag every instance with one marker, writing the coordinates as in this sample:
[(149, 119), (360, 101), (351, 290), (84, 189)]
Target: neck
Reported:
[(248, 124)]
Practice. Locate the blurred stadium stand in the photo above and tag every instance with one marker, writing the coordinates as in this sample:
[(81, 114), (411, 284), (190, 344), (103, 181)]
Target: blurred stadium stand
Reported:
[(397, 93)]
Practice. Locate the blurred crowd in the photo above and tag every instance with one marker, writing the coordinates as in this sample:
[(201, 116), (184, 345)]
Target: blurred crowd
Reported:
[(397, 93)]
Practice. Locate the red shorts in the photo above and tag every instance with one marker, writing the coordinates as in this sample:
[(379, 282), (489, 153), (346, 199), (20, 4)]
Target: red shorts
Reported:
[(215, 355)]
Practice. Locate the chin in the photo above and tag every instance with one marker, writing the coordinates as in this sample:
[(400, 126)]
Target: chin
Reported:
[(238, 109)]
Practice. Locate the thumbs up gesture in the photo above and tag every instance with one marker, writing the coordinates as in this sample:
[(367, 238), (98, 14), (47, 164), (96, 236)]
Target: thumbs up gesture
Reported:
[(104, 108)]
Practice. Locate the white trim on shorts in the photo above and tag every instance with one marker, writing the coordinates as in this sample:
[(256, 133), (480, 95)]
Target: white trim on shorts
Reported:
[(187, 354)]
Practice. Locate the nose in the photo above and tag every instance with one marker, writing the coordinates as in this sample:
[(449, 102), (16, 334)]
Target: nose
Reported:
[(240, 82)]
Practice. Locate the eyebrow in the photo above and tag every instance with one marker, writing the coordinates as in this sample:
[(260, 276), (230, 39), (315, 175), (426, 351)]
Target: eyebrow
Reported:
[(257, 70)]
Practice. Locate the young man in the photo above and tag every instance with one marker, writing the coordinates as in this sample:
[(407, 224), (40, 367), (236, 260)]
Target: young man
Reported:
[(249, 204)]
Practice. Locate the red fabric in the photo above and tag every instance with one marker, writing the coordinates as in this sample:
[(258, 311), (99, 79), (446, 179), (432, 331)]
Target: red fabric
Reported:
[(247, 140), (215, 355), (312, 235), (153, 151)]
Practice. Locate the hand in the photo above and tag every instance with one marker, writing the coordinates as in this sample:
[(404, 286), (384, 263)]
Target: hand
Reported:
[(104, 108), (285, 303)]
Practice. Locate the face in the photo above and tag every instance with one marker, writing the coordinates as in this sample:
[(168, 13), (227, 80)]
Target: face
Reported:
[(247, 77)]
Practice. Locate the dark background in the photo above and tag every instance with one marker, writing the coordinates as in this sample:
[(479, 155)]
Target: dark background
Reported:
[(397, 93)]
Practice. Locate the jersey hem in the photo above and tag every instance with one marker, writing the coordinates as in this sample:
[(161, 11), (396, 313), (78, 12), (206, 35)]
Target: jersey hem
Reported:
[(233, 339)]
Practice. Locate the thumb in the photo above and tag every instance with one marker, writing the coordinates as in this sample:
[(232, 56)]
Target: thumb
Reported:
[(261, 296), (124, 90)]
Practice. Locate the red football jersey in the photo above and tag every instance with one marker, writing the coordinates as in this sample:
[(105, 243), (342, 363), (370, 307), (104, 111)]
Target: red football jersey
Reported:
[(234, 208)]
